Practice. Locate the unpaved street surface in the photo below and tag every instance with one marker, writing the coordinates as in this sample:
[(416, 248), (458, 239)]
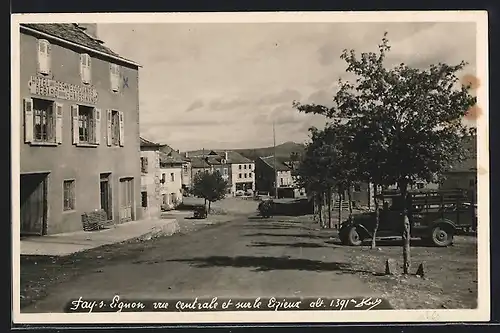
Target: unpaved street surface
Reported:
[(246, 257)]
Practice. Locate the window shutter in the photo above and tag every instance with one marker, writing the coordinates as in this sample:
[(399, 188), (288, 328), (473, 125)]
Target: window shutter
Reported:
[(122, 129), (89, 69), (74, 115), (59, 121), (97, 124), (43, 56), (28, 120), (114, 77), (85, 67), (109, 137)]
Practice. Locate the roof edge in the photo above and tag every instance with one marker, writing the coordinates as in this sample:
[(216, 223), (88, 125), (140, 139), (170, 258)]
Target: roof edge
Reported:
[(130, 62)]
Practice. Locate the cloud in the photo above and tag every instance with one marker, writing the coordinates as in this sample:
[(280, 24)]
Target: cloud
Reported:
[(195, 105), (234, 79)]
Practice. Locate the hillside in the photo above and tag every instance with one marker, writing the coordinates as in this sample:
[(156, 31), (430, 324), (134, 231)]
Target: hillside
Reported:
[(282, 151)]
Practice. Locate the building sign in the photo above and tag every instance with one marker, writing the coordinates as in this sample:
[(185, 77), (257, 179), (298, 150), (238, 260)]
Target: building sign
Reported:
[(46, 87)]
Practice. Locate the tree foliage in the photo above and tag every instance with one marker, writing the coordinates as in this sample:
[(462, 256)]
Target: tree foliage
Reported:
[(405, 123), (209, 186)]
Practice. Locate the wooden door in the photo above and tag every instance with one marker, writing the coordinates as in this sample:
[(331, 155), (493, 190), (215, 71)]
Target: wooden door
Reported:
[(127, 196), (106, 199), (33, 204)]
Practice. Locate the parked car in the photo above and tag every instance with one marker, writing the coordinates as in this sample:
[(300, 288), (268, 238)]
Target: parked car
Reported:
[(435, 216), (239, 193)]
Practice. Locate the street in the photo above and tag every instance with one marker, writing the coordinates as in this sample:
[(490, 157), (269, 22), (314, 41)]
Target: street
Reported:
[(247, 257)]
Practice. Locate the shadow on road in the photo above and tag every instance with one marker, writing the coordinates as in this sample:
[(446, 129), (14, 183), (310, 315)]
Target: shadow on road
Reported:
[(263, 264), (389, 243), (293, 245), (263, 234)]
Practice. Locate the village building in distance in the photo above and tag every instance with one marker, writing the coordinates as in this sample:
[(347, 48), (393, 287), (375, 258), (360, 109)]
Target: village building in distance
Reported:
[(79, 123), (236, 169)]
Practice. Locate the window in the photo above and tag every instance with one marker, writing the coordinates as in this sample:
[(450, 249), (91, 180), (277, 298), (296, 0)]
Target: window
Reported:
[(239, 175), (165, 199), (115, 128), (185, 169), (144, 199), (86, 124), (69, 195), (250, 166), (44, 124), (225, 171), (250, 175), (44, 55), (144, 164), (85, 68), (239, 166), (245, 166), (282, 182), (163, 178), (245, 174), (420, 186), (172, 178), (114, 71), (357, 188)]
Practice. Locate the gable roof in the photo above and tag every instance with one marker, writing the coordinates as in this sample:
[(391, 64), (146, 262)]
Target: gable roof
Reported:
[(198, 162), (169, 155), (233, 157), (280, 165), (146, 143), (72, 33), (217, 155)]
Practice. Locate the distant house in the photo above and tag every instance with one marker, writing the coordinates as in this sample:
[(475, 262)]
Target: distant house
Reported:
[(266, 177), (236, 169), (150, 178), (171, 168), (463, 175)]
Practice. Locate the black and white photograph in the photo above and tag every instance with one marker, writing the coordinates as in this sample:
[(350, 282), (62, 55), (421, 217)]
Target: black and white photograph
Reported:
[(250, 167)]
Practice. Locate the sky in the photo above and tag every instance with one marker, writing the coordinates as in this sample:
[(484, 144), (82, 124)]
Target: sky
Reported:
[(221, 85)]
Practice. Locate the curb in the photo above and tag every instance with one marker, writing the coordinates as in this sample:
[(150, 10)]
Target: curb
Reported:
[(167, 229)]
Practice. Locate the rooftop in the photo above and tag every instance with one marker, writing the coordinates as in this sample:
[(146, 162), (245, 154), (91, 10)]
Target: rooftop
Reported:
[(169, 155), (216, 156), (147, 143), (280, 163), (73, 33)]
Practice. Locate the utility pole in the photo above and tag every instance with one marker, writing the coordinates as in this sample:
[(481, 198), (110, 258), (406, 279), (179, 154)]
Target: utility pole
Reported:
[(274, 162)]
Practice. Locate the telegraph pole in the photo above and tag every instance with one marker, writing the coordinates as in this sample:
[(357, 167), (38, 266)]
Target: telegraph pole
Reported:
[(274, 162)]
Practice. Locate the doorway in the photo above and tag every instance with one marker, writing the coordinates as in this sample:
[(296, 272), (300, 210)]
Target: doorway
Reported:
[(106, 195), (33, 188), (127, 199)]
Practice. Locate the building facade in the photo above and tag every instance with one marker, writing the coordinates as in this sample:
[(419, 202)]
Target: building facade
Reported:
[(266, 177), (150, 179), (171, 168), (79, 142), (236, 169)]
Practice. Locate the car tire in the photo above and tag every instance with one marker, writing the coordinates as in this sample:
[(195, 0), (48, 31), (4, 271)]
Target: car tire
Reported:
[(353, 237), (441, 236)]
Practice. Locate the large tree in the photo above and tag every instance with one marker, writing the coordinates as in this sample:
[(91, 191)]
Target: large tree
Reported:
[(418, 113), (209, 186)]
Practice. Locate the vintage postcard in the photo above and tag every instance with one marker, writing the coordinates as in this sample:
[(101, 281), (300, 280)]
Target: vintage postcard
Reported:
[(250, 167)]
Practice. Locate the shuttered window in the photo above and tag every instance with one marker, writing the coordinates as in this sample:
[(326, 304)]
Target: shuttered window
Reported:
[(86, 124), (44, 56), (85, 68), (114, 74)]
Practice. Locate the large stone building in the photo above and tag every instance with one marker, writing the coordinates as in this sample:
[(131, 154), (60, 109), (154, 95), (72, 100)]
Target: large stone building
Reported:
[(150, 179), (79, 143)]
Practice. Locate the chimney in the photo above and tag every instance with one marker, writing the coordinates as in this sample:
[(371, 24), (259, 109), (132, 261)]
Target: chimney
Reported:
[(89, 28), (225, 155)]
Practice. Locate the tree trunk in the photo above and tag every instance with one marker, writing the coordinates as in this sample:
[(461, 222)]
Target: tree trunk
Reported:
[(330, 208), (325, 210), (406, 228), (209, 205), (319, 208), (340, 208), (377, 215), (349, 197)]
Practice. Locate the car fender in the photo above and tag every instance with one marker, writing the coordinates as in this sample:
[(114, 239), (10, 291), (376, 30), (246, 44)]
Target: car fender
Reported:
[(443, 221), (348, 224)]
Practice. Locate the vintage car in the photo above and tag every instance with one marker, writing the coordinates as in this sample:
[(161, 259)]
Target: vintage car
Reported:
[(200, 212), (435, 217)]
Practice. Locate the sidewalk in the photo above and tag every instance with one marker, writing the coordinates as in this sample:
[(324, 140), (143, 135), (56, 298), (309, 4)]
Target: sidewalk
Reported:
[(68, 243)]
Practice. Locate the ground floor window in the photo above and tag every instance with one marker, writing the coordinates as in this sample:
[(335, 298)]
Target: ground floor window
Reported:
[(69, 195), (165, 199), (144, 199)]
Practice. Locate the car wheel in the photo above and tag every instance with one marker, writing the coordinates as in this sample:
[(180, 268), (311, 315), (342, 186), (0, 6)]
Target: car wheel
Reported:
[(441, 236), (353, 237)]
